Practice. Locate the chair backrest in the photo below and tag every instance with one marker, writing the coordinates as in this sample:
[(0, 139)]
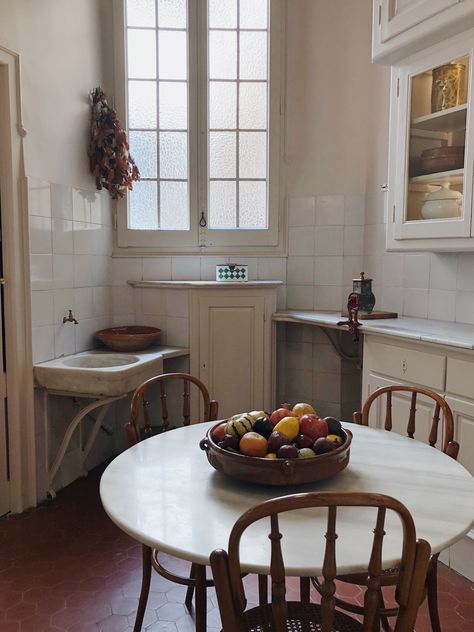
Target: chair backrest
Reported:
[(413, 565), (140, 401), (450, 446)]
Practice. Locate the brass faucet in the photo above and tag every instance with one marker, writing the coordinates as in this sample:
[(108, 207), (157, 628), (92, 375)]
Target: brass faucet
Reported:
[(70, 318)]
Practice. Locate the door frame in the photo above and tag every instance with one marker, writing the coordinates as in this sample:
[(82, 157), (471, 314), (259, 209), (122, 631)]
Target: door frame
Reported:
[(17, 310)]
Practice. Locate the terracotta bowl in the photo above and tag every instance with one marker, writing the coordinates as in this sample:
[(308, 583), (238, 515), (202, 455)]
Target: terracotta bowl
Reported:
[(128, 338), (276, 471)]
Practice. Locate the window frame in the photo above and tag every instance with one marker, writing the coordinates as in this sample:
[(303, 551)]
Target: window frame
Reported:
[(200, 240)]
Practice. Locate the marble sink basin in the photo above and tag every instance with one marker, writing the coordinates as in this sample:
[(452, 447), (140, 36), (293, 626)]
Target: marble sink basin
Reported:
[(103, 373)]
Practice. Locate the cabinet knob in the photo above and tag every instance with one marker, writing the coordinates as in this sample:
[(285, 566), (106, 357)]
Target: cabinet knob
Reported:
[(404, 366), (2, 281)]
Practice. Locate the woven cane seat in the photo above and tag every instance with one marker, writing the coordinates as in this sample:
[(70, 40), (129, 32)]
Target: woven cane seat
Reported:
[(302, 617)]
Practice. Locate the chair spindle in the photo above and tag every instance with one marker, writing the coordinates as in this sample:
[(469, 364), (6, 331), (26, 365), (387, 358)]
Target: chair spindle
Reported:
[(328, 589), (372, 594), (146, 418), (277, 572), (186, 408), (411, 420), (164, 407), (434, 426), (388, 411)]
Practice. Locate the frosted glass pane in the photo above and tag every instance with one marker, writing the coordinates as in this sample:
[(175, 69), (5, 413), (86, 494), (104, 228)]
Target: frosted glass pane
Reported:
[(222, 55), (222, 205), (141, 54), (222, 14), (253, 55), (253, 154), (253, 106), (222, 105), (172, 55), (253, 14), (143, 150), (143, 206), (222, 155), (174, 155), (174, 206), (173, 105), (172, 14), (142, 104), (141, 13), (252, 204)]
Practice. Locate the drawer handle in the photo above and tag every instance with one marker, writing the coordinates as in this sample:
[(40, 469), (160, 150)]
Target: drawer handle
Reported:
[(404, 366)]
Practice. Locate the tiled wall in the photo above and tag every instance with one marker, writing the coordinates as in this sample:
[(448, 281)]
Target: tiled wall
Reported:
[(423, 285), (71, 268)]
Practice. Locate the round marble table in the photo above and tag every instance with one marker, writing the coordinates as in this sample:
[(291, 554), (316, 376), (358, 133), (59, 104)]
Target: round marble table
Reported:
[(164, 493)]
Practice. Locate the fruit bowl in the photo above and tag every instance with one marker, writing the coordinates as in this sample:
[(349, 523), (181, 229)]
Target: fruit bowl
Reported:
[(128, 338), (263, 471)]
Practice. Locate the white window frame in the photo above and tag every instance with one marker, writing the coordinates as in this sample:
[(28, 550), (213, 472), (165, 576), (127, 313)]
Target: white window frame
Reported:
[(200, 240)]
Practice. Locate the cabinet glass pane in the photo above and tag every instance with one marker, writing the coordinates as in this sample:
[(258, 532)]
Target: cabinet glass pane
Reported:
[(142, 104), (222, 155), (436, 145), (253, 14), (253, 55), (174, 206), (143, 151), (172, 14), (222, 14), (253, 106), (222, 55), (173, 105), (141, 13), (172, 55), (143, 206), (174, 155), (222, 204), (252, 204), (253, 154), (222, 105), (141, 54)]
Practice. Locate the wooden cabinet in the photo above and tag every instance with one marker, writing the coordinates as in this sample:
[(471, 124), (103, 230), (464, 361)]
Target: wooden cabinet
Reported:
[(447, 371), (231, 347), (402, 27)]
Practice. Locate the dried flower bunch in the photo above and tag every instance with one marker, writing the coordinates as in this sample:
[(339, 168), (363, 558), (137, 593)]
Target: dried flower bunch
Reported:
[(109, 157)]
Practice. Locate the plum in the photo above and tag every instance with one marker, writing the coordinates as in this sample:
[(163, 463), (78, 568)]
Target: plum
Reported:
[(334, 426), (303, 441), (263, 426), (287, 452), (230, 442), (322, 445), (276, 440)]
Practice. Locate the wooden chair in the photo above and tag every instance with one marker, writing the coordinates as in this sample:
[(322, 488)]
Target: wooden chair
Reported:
[(449, 447), (134, 432), (283, 616)]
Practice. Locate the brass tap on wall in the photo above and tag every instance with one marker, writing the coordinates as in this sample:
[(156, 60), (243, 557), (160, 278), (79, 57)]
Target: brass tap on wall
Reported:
[(70, 318)]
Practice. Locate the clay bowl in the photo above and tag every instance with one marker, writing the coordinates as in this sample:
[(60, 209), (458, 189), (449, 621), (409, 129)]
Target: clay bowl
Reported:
[(128, 338), (262, 471)]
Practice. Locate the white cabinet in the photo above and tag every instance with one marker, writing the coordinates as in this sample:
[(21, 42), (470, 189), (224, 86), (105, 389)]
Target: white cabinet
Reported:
[(231, 347), (429, 202), (402, 27)]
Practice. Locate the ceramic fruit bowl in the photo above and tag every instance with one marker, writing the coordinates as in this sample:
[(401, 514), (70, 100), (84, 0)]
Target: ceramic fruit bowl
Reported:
[(128, 338), (264, 471)]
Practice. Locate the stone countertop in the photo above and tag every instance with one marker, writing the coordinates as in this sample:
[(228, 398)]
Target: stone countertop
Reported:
[(236, 285), (425, 330)]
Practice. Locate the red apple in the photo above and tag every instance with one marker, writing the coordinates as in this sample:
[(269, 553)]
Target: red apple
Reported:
[(303, 441), (313, 427), (278, 414)]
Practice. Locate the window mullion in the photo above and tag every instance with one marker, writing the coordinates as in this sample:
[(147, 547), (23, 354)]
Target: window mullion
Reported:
[(202, 118)]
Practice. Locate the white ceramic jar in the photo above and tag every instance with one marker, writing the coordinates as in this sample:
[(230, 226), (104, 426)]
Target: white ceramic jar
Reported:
[(442, 203)]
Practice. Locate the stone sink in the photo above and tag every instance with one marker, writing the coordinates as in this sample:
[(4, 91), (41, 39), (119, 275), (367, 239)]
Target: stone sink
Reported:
[(103, 373)]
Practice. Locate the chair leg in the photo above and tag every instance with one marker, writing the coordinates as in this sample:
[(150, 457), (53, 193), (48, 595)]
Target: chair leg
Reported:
[(262, 590), (383, 618), (304, 589), (190, 591), (145, 589), (201, 598), (432, 594)]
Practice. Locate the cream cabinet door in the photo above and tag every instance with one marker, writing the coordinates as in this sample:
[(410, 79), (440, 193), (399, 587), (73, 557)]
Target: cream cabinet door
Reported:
[(233, 348), (397, 16)]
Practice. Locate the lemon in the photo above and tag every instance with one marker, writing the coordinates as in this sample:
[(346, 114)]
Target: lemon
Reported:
[(289, 426)]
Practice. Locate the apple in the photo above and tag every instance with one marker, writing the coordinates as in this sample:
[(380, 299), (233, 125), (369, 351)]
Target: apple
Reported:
[(303, 409), (303, 441), (313, 427), (278, 414)]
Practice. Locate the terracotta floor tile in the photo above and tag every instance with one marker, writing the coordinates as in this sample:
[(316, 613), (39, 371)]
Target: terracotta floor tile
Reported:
[(65, 567)]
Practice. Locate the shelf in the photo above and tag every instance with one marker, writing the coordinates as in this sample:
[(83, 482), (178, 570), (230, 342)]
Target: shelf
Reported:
[(449, 120), (455, 176)]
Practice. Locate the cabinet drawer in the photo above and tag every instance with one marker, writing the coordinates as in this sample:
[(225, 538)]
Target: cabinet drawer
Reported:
[(418, 367), (460, 378)]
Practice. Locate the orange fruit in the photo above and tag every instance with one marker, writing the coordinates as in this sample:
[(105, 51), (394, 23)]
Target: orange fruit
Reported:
[(253, 444)]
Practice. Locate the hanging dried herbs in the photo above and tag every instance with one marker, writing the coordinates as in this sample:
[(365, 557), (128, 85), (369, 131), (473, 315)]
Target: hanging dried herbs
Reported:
[(109, 157)]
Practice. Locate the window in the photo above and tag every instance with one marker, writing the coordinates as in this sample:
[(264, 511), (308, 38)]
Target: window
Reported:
[(201, 100)]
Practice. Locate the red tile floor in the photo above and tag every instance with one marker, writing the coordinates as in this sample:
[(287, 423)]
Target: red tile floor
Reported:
[(66, 566)]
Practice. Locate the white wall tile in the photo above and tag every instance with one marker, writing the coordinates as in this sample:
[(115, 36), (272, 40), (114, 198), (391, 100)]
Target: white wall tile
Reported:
[(83, 270), (301, 211), (329, 240), (354, 210), (300, 241), (95, 201), (85, 330), (281, 297), (328, 270), (83, 303), (39, 197), (374, 239), (392, 269), (208, 267), (63, 301), (177, 331), (353, 240), (373, 267), (328, 297), (300, 271), (416, 271), (272, 269), (81, 208), (85, 236), (157, 269), (126, 269), (40, 235), (62, 237), (41, 272), (326, 388), (352, 267), (43, 343), (330, 210), (465, 307), (41, 307), (107, 209), (390, 299), (122, 299), (415, 302), (299, 297), (101, 297), (444, 270), (154, 301), (465, 273), (442, 305), (61, 201), (177, 303), (64, 340), (63, 271), (299, 355), (185, 269), (101, 270)]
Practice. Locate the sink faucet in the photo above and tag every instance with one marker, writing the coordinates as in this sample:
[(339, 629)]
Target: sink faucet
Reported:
[(70, 318)]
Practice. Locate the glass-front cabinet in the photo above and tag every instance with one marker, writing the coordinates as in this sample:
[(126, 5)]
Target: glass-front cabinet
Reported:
[(432, 149)]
